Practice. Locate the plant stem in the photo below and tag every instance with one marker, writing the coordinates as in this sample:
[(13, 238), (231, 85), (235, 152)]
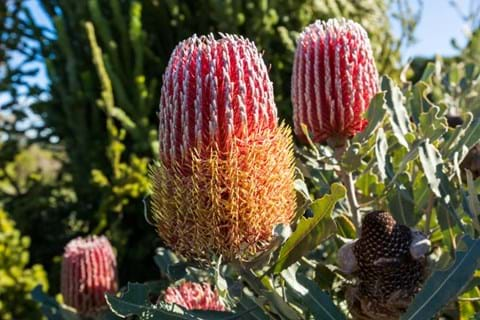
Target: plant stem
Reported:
[(347, 179), (349, 184)]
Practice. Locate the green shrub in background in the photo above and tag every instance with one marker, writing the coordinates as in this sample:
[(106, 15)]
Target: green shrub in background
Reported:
[(16, 279), (459, 81), (104, 60)]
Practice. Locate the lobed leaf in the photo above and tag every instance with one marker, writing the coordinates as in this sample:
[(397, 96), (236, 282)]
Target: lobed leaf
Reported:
[(310, 232), (401, 201), (317, 302), (442, 286), (398, 113)]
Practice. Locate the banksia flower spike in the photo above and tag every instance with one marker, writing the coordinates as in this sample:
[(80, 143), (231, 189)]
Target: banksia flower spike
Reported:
[(225, 176), (334, 78), (88, 271), (194, 296), (389, 261)]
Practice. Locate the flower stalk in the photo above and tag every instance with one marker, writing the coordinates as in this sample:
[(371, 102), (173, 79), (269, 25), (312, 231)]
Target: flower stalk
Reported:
[(346, 177)]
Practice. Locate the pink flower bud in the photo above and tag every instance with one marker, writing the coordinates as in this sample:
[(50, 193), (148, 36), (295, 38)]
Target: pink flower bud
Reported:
[(334, 78), (88, 271), (213, 92), (194, 296)]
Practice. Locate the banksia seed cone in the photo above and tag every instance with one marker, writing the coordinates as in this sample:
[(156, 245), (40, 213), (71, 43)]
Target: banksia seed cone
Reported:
[(334, 78), (390, 267), (88, 271), (194, 296), (225, 176)]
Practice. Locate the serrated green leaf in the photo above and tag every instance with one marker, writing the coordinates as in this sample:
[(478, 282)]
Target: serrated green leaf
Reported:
[(431, 162), (369, 185), (453, 137), (428, 72), (417, 99), (135, 302), (381, 148), (375, 114), (442, 286), (345, 226), (310, 232), (318, 303), (401, 203), (302, 195), (438, 181), (255, 311), (447, 225), (398, 113), (410, 156), (432, 125), (51, 308), (470, 138), (352, 158), (420, 191), (265, 291)]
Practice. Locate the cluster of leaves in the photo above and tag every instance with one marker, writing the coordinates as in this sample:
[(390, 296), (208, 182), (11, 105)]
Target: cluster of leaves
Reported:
[(16, 279), (29, 180), (457, 86), (407, 161), (104, 61)]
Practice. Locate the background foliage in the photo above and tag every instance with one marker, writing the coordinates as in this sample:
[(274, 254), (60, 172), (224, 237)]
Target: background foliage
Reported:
[(16, 279)]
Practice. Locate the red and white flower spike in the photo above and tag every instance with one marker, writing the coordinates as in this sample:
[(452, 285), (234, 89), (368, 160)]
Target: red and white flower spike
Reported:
[(225, 175), (89, 270), (213, 91), (194, 296), (334, 78)]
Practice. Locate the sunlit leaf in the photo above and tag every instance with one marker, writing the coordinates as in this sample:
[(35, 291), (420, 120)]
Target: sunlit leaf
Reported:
[(431, 163), (442, 286), (401, 202), (381, 148), (375, 114), (310, 232), (318, 303), (399, 118)]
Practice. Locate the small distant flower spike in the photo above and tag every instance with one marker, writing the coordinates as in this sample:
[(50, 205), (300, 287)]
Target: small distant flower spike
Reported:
[(89, 270), (194, 296), (334, 78)]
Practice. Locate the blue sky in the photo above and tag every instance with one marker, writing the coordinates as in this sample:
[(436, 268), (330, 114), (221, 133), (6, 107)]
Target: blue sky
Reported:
[(439, 24)]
